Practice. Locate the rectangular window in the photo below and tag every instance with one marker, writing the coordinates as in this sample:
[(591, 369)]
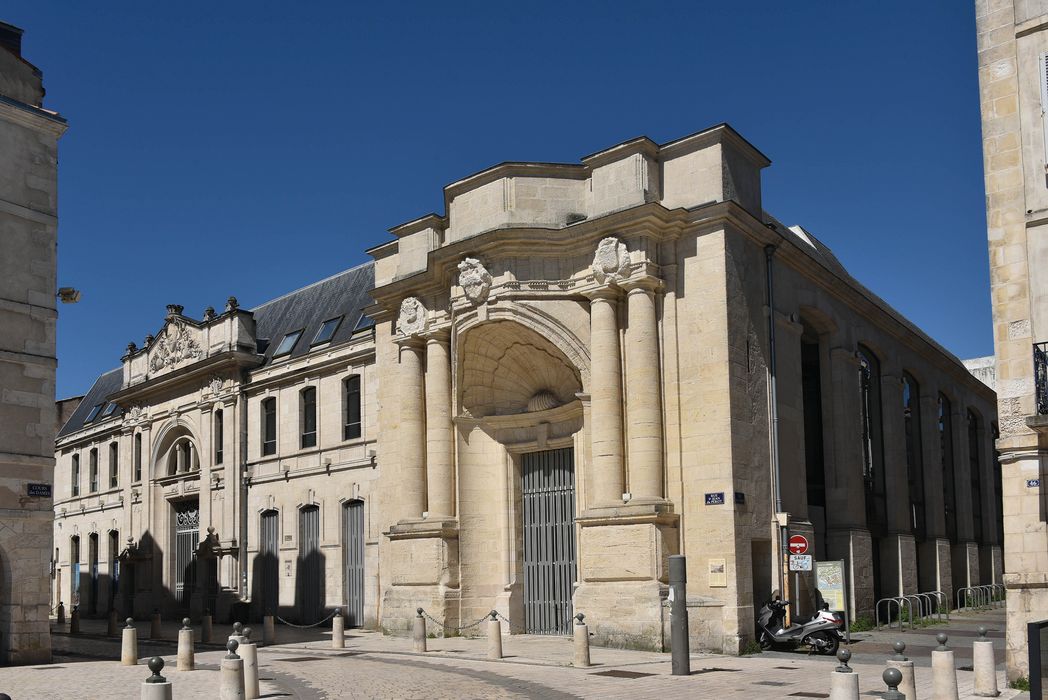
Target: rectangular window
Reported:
[(351, 419), (309, 417), (92, 474), (363, 323), (287, 344), (114, 465), (327, 331), (94, 413), (74, 478), (269, 426), (138, 456), (219, 436), (109, 410)]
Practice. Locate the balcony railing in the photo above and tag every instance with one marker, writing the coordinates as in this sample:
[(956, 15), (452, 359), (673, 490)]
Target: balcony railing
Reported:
[(1040, 375)]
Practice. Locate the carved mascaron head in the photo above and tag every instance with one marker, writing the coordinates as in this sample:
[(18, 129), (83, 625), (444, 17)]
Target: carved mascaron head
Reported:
[(611, 262), (474, 280), (412, 318)]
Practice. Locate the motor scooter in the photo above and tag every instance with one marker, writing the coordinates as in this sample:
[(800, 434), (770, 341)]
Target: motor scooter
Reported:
[(821, 633)]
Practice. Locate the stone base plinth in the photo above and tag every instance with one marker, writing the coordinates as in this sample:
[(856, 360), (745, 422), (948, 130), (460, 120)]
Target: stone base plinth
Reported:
[(855, 547), (965, 567), (424, 560), (898, 565)]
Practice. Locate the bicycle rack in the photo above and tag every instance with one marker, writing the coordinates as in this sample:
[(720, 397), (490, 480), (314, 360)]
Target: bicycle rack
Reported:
[(941, 603), (968, 594), (888, 611)]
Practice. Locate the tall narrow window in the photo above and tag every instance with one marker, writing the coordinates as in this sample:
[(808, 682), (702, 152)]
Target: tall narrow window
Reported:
[(138, 456), (308, 403), (949, 480), (269, 426), (92, 474), (911, 411), (219, 436), (114, 465), (872, 442), (351, 415), (998, 483), (974, 462), (74, 477)]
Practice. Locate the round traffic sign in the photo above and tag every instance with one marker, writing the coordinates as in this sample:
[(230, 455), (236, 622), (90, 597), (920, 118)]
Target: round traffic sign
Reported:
[(798, 544)]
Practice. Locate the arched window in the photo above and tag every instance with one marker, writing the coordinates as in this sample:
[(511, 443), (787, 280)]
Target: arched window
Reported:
[(872, 442), (74, 477), (114, 465), (92, 474), (182, 457), (138, 456), (269, 426), (949, 481), (308, 409), (351, 415), (219, 436), (974, 461), (911, 409)]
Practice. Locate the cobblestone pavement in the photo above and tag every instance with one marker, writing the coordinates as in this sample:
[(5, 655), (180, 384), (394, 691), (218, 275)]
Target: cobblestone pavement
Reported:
[(303, 665)]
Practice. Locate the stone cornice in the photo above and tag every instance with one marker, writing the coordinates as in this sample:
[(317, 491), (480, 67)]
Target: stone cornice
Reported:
[(35, 118), (24, 212), (230, 360)]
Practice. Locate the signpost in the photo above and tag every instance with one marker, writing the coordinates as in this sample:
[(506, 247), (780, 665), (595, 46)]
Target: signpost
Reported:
[(831, 582)]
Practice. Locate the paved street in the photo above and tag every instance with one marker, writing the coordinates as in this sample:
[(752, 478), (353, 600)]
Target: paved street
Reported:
[(302, 665)]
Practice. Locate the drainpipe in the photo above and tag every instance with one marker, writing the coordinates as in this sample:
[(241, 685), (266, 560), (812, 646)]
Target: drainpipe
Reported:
[(242, 539), (773, 416)]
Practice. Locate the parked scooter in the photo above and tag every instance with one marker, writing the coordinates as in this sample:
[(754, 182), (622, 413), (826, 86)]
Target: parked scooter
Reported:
[(822, 633)]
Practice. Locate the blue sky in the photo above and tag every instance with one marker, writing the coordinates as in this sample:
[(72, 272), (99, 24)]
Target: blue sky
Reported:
[(252, 148)]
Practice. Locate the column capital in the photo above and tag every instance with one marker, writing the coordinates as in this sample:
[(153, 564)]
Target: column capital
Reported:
[(437, 335), (412, 342), (644, 283), (606, 293)]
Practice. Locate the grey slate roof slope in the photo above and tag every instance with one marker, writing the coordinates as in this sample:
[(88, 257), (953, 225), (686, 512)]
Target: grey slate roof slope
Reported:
[(345, 294)]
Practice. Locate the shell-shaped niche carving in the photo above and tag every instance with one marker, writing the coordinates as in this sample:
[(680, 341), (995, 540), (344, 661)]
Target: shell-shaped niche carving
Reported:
[(507, 368)]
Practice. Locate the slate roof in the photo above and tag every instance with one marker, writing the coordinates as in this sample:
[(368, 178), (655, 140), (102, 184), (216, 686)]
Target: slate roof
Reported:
[(345, 294)]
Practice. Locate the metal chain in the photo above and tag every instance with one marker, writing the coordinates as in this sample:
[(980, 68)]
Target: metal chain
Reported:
[(451, 627), (302, 627)]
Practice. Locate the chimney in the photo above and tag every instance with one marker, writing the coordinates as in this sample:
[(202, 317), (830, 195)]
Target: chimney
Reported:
[(11, 38)]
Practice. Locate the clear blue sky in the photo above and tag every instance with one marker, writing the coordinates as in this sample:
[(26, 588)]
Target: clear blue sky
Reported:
[(250, 148)]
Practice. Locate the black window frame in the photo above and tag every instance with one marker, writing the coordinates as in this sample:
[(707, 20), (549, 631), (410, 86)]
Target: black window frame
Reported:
[(268, 412), (137, 457), (307, 401), (74, 476), (114, 465), (352, 408), (337, 321), (296, 335), (95, 410), (219, 434), (92, 471)]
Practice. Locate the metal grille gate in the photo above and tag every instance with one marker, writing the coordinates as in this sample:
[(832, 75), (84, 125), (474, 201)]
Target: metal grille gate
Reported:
[(187, 532), (270, 562), (353, 560), (310, 581), (549, 540)]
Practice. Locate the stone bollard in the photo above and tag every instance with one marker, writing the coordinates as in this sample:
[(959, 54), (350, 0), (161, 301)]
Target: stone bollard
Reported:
[(891, 678), (61, 613), (494, 636), (581, 634), (74, 620), (156, 686), (249, 653), (908, 684), (944, 673), (985, 667), (154, 624), (238, 632), (269, 631), (113, 624), (338, 630), (844, 683), (129, 645), (231, 675), (186, 658), (418, 632), (205, 628)]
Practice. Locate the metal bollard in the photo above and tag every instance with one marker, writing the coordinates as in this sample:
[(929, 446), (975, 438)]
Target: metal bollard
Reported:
[(156, 686), (891, 678), (338, 630), (186, 657), (494, 636), (61, 613), (908, 684), (74, 620), (269, 631), (205, 627), (581, 634), (231, 674), (154, 624), (113, 624), (249, 653), (418, 632), (681, 656), (129, 645), (985, 667), (944, 673), (844, 683)]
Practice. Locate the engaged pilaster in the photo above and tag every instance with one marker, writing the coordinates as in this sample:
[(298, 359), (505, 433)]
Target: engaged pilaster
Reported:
[(412, 438), (644, 392), (606, 397), (440, 454)]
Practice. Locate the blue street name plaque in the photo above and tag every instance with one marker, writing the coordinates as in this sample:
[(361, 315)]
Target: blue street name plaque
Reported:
[(715, 499), (41, 490)]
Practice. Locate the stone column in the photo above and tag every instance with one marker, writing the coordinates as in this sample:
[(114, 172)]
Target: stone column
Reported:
[(412, 437), (440, 450), (898, 550), (644, 394), (606, 398)]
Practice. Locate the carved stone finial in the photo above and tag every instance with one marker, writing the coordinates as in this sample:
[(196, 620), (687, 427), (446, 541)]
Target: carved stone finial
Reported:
[(412, 318), (148, 340), (611, 262), (232, 304), (209, 313), (131, 347), (174, 310), (475, 280)]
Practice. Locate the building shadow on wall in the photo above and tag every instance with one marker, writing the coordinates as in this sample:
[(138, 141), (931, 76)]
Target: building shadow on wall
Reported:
[(265, 586), (309, 588)]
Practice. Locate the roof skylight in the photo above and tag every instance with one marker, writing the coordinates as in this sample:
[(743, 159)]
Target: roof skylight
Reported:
[(288, 343), (327, 330)]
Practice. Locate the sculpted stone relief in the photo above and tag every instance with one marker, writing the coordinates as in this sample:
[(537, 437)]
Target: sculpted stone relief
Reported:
[(474, 279), (611, 262), (412, 318), (176, 346)]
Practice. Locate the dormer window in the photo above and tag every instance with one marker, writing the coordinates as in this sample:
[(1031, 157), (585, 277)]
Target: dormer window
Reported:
[(94, 413), (327, 331), (109, 410), (363, 323), (287, 344)]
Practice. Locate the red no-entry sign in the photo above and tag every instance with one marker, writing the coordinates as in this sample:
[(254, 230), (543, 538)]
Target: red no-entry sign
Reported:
[(798, 544)]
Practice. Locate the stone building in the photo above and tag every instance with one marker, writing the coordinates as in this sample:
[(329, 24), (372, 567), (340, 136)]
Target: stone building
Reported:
[(1013, 88), (560, 382), (29, 136)]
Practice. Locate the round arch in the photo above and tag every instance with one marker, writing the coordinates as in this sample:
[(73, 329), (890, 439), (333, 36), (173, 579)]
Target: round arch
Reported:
[(175, 435)]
